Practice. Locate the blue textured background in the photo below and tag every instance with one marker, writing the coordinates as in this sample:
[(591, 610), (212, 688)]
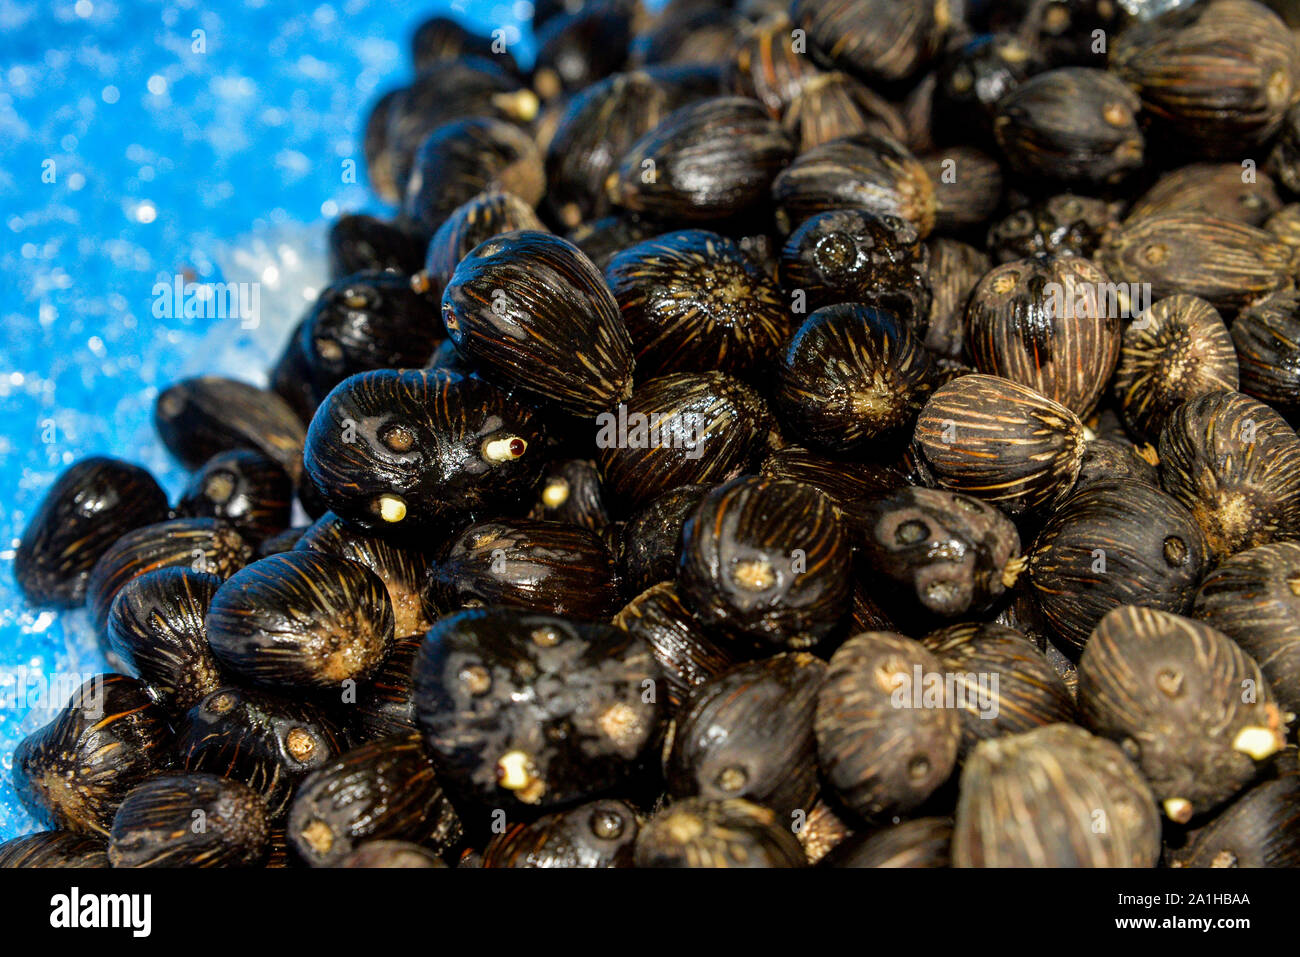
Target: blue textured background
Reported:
[(227, 165)]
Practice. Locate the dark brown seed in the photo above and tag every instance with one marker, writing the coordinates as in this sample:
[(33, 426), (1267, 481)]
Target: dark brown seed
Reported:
[(202, 545), (850, 485), (54, 849), (1254, 599), (1002, 683), (1054, 797), (1267, 339), (688, 428), (1072, 125), (688, 656), (881, 40), (767, 560), (385, 704), (541, 566), (1257, 830), (379, 153), (242, 488), (1219, 190), (769, 68), (922, 842), (708, 160), (651, 538), (73, 772), (267, 742), (156, 627), (974, 76), (951, 555), (1177, 349), (301, 620), (885, 736), (749, 734), (1105, 459), (575, 49), (693, 301), (832, 105), (474, 221), (868, 172), (596, 835), (417, 449), (1235, 464), (1285, 160), (955, 270), (698, 832), (852, 374), (197, 418), (189, 820), (967, 187), (441, 39), (1050, 323), (382, 790), (603, 239), (1001, 442), (1188, 705), (570, 491), (1228, 263), (1064, 224), (466, 157), (531, 711), (532, 310), (389, 854), (1114, 543), (360, 243), (90, 506)]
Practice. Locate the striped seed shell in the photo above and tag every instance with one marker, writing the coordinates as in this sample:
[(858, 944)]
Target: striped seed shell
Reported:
[(1219, 190), (202, 545), (699, 832), (242, 488), (474, 221), (1114, 543), (301, 620), (708, 160), (156, 627), (1177, 349), (92, 504), (1001, 442), (1267, 338), (1259, 829), (832, 105), (1046, 323), (1254, 599), (967, 187), (1285, 159), (880, 40), (570, 491), (768, 67), (920, 842), (547, 567), (189, 820), (868, 172), (1186, 703), (766, 559), (1235, 464), (532, 310), (693, 301), (652, 537), (73, 772), (749, 734), (580, 46), (54, 849), (852, 374), (1054, 797), (688, 428), (850, 485), (381, 790), (603, 239), (974, 76), (955, 270), (385, 704), (1115, 457), (595, 835), (1227, 263), (885, 740)]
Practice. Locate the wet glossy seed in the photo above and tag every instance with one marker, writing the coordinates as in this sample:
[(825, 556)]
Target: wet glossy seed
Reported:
[(921, 842), (54, 849), (698, 832), (244, 489), (1267, 340), (595, 835), (189, 820)]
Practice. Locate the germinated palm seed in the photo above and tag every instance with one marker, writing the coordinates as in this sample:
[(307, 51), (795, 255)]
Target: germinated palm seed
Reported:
[(1116, 542), (885, 736), (1054, 797), (748, 734), (1235, 464), (595, 835), (1254, 599), (242, 488), (852, 374), (688, 656), (920, 842), (189, 820), (768, 560), (532, 310), (156, 627), (266, 741), (73, 773), (1177, 349), (1001, 442), (382, 790), (652, 536), (1267, 338), (1047, 323), (951, 555), (1256, 830), (707, 160), (699, 832), (570, 491), (1189, 707), (301, 620), (54, 849), (532, 711), (91, 505), (694, 301), (542, 566)]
